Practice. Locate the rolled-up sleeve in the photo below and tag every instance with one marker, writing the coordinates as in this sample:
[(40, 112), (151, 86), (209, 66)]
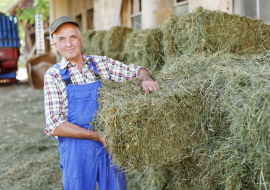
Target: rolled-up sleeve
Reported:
[(55, 111), (117, 70)]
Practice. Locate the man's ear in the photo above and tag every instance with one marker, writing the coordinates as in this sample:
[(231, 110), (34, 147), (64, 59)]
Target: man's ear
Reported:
[(81, 38), (53, 43)]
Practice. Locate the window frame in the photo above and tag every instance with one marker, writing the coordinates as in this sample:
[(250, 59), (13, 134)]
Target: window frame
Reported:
[(175, 4), (92, 18), (258, 11), (78, 19), (135, 14)]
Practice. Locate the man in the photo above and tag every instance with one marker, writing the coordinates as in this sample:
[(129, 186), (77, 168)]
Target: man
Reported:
[(70, 93)]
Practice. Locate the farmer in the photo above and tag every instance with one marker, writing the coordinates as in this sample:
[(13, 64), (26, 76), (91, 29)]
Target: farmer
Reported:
[(71, 89)]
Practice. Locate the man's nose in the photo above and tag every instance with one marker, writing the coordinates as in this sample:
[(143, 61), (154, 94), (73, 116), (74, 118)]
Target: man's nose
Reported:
[(68, 42)]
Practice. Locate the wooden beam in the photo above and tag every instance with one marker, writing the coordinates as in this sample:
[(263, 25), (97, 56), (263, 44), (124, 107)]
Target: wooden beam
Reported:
[(31, 52), (116, 21)]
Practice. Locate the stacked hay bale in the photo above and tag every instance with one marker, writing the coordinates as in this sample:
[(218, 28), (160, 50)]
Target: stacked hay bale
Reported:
[(207, 127), (144, 48), (164, 128), (114, 42), (220, 32), (106, 43), (245, 159), (202, 127), (87, 37), (239, 161), (93, 43), (140, 112)]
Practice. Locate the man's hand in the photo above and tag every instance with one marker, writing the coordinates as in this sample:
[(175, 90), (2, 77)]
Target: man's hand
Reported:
[(105, 142), (148, 84)]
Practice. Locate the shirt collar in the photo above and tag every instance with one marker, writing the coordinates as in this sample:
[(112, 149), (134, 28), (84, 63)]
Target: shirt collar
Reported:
[(63, 63)]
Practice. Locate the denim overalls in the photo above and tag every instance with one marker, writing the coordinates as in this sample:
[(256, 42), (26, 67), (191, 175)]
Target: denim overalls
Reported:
[(85, 162)]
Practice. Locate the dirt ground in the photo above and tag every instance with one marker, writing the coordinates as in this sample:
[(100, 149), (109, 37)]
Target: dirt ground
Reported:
[(29, 158)]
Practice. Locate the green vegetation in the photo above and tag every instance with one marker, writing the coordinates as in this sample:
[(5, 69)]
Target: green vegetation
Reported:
[(28, 15)]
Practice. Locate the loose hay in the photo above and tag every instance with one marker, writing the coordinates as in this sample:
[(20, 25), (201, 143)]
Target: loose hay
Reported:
[(144, 48)]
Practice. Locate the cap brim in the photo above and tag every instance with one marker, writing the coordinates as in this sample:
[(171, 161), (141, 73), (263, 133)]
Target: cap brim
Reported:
[(73, 22)]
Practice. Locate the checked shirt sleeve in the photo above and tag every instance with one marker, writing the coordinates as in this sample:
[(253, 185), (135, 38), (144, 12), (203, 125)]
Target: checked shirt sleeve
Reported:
[(117, 71), (53, 101)]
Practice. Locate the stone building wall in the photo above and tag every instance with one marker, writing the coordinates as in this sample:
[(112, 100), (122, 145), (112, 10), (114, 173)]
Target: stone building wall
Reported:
[(154, 12)]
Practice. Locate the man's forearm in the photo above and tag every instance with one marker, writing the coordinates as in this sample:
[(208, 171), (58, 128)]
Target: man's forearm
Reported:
[(67, 129), (148, 84), (144, 75)]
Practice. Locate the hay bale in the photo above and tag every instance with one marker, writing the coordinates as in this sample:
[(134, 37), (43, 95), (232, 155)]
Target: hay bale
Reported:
[(145, 130), (208, 125), (87, 37), (95, 46), (221, 31), (114, 42), (243, 159), (144, 48)]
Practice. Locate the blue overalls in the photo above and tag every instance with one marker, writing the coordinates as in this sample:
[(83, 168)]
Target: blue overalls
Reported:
[(85, 162)]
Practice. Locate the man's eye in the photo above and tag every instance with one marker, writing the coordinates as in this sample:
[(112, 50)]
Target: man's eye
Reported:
[(73, 37)]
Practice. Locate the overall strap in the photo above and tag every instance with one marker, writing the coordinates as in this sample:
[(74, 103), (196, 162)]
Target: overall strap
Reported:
[(65, 74), (93, 65)]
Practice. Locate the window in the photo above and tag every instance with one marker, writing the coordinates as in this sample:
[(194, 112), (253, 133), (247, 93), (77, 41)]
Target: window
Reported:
[(90, 19), (47, 42), (78, 19), (180, 7), (253, 8), (136, 14), (264, 7)]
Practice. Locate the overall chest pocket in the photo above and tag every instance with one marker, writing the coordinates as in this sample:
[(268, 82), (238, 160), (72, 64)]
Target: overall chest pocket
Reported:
[(86, 107)]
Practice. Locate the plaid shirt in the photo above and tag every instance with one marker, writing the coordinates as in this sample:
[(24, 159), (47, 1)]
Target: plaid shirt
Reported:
[(55, 96)]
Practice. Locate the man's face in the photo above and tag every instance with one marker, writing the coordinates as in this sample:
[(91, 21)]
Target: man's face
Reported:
[(68, 41)]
